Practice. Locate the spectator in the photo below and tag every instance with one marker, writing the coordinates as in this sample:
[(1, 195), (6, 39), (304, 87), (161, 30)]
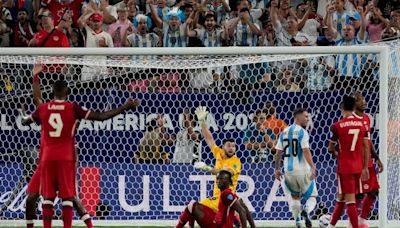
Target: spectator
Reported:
[(337, 14), (211, 35), (188, 145), (395, 20), (376, 25), (348, 66), (49, 36), (327, 39), (158, 10), (289, 36), (268, 36), (387, 7), (173, 31), (91, 22), (132, 10), (118, 29), (150, 150), (6, 23), (286, 81), (141, 38), (23, 30), (272, 122), (59, 7), (243, 28), (310, 22), (219, 7), (258, 140), (320, 71)]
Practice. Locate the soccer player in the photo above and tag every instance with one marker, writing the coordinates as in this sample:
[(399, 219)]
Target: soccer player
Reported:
[(299, 167), (224, 217), (225, 159), (352, 157), (58, 119), (370, 186), (34, 183)]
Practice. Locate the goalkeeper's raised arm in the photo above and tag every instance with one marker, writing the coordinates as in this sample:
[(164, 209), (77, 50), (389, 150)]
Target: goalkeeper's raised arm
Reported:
[(201, 113), (225, 156)]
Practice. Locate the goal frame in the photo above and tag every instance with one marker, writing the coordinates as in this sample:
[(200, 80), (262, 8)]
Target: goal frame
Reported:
[(383, 58)]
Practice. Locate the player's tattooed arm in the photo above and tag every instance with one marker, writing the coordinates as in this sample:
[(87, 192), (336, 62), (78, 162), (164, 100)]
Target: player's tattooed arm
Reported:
[(278, 172)]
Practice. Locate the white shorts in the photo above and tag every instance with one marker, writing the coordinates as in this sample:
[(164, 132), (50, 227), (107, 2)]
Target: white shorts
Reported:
[(300, 185)]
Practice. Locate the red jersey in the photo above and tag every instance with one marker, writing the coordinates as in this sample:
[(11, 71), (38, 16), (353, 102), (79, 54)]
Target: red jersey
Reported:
[(225, 215), (58, 9), (58, 120), (56, 39), (366, 119), (350, 132), (22, 35)]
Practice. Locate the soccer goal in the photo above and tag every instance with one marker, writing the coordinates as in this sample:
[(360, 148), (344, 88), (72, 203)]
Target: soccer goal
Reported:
[(137, 169)]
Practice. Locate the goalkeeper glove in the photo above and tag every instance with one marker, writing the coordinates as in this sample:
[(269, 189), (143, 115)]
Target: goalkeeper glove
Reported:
[(201, 113), (202, 166)]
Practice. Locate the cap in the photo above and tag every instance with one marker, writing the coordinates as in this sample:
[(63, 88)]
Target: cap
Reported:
[(45, 14), (355, 16), (96, 17)]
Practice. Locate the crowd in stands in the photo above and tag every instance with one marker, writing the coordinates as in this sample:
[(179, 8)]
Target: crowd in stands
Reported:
[(212, 23), (209, 23)]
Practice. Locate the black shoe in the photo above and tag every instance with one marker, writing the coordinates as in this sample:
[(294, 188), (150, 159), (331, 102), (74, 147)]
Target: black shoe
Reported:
[(306, 219)]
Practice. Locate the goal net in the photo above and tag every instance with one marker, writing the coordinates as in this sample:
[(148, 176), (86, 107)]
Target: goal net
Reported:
[(139, 165)]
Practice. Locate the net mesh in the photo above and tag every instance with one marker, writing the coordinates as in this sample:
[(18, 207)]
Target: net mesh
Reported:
[(139, 165)]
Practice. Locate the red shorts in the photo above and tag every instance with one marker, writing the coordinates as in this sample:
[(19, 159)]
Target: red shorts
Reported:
[(58, 175), (349, 183), (208, 218), (372, 183), (34, 183)]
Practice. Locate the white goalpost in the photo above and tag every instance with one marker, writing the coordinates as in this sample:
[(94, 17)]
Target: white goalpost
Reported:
[(120, 186)]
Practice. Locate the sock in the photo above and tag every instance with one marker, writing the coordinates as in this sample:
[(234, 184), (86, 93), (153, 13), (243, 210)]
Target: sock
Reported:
[(352, 213), (29, 223), (296, 209), (367, 206), (87, 220), (48, 212), (185, 217), (339, 207), (310, 205), (67, 213)]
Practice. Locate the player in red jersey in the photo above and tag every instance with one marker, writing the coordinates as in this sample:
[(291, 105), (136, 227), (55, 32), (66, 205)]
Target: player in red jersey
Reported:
[(370, 186), (59, 119), (225, 216), (34, 183), (352, 157)]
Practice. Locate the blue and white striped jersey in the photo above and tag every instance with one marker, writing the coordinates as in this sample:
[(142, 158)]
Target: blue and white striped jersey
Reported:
[(292, 141)]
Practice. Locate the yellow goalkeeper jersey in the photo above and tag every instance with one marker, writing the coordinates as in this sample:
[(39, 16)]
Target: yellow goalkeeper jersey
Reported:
[(233, 163)]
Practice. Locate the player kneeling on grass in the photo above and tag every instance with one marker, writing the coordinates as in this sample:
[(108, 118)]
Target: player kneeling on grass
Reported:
[(299, 167), (58, 119), (229, 203)]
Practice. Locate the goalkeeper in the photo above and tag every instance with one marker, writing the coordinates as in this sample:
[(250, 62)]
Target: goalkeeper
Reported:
[(225, 159)]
